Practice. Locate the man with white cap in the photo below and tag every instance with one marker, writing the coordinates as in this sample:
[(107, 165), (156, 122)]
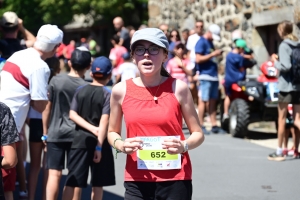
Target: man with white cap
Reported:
[(10, 26), (207, 66), (24, 77)]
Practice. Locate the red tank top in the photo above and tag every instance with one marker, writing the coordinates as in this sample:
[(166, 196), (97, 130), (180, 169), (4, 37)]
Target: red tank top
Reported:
[(146, 117)]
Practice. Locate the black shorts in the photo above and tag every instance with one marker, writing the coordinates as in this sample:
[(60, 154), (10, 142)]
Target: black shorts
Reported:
[(167, 190), (56, 153), (79, 163), (289, 97), (35, 130)]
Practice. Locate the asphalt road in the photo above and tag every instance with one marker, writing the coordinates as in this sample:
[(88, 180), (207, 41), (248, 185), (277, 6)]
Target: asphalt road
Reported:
[(225, 168)]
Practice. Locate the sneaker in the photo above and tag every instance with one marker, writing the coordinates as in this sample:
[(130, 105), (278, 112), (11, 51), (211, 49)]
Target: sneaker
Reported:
[(275, 157), (291, 152), (296, 155), (285, 152), (205, 132), (216, 129), (23, 195)]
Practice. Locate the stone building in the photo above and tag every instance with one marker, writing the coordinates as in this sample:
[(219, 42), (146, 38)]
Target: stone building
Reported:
[(257, 19)]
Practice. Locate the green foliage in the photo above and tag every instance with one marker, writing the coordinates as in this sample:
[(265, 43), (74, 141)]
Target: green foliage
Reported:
[(37, 12)]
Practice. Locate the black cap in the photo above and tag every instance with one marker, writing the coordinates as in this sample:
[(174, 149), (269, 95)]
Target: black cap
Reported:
[(81, 58)]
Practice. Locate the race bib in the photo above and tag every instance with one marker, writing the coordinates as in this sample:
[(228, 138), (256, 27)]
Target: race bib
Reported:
[(272, 91), (153, 157)]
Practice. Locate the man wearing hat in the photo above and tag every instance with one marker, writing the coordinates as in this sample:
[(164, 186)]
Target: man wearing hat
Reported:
[(10, 25), (207, 66), (24, 79)]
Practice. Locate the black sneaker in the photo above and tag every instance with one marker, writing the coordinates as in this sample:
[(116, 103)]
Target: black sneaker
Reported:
[(275, 157)]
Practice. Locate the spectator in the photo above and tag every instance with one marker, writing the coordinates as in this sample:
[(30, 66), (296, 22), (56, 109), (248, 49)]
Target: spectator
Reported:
[(122, 32), (185, 35), (165, 29), (90, 148), (234, 71), (9, 137), (93, 46), (127, 70), (178, 66), (193, 39), (36, 145), (68, 50), (60, 56), (207, 66), (10, 26), (115, 55), (24, 82), (288, 85), (174, 37), (57, 125)]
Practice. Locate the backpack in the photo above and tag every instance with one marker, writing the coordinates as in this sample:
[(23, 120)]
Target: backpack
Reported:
[(295, 61)]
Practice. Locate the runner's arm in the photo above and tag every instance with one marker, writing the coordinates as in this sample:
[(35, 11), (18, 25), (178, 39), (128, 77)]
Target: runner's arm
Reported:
[(189, 113)]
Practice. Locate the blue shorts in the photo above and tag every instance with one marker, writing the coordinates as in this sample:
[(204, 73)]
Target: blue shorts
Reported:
[(208, 90)]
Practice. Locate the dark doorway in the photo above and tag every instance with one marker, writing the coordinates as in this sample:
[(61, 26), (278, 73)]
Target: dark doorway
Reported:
[(270, 38)]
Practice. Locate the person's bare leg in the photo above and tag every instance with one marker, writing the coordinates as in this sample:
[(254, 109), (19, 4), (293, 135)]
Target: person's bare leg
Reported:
[(35, 149), (286, 137), (212, 112), (226, 104), (77, 193), (68, 193), (53, 184), (45, 175), (97, 193), (201, 111), (21, 176), (282, 112), (296, 113), (8, 195)]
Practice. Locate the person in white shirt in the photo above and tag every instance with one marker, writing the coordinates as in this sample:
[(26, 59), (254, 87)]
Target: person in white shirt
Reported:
[(127, 70), (24, 80), (193, 39)]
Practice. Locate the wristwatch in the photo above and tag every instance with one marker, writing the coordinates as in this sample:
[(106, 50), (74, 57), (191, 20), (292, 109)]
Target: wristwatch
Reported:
[(185, 146)]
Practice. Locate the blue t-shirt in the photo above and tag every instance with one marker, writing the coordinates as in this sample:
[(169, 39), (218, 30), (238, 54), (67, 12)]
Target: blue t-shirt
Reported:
[(205, 47), (234, 62)]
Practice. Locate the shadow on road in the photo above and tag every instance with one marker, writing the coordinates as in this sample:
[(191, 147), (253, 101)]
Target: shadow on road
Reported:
[(259, 135), (86, 192)]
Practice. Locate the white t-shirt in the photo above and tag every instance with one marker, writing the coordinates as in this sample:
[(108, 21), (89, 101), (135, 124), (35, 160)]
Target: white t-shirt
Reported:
[(24, 77), (190, 45), (127, 70)]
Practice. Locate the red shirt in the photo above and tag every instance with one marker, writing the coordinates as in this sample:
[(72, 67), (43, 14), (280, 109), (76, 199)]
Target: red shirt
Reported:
[(146, 117)]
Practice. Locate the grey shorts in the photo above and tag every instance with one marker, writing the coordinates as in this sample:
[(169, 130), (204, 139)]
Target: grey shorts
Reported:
[(289, 97)]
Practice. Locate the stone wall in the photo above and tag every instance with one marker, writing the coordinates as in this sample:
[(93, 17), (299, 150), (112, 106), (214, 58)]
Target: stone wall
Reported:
[(228, 14)]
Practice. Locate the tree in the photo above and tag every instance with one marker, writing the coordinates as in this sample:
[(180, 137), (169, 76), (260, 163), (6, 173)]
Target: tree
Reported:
[(60, 12)]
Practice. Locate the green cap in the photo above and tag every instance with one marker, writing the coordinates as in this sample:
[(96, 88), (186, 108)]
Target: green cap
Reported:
[(240, 43)]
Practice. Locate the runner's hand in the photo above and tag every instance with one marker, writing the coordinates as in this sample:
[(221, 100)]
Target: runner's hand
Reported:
[(131, 145), (97, 156), (173, 146)]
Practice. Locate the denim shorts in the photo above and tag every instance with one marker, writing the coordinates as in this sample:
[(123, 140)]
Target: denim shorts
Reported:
[(208, 90)]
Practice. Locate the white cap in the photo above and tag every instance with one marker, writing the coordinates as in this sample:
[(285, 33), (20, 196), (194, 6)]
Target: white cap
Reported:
[(215, 31), (50, 34), (82, 48), (236, 34), (9, 19)]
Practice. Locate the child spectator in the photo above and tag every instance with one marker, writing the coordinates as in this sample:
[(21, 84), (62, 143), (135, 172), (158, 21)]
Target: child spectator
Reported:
[(36, 145), (115, 55), (57, 125), (9, 136), (90, 148), (177, 66), (234, 71), (127, 70)]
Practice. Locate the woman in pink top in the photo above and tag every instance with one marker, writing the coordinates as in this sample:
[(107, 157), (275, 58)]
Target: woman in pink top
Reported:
[(178, 66), (158, 165)]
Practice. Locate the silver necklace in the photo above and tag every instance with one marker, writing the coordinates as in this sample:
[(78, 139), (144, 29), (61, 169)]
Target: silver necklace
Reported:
[(154, 96)]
